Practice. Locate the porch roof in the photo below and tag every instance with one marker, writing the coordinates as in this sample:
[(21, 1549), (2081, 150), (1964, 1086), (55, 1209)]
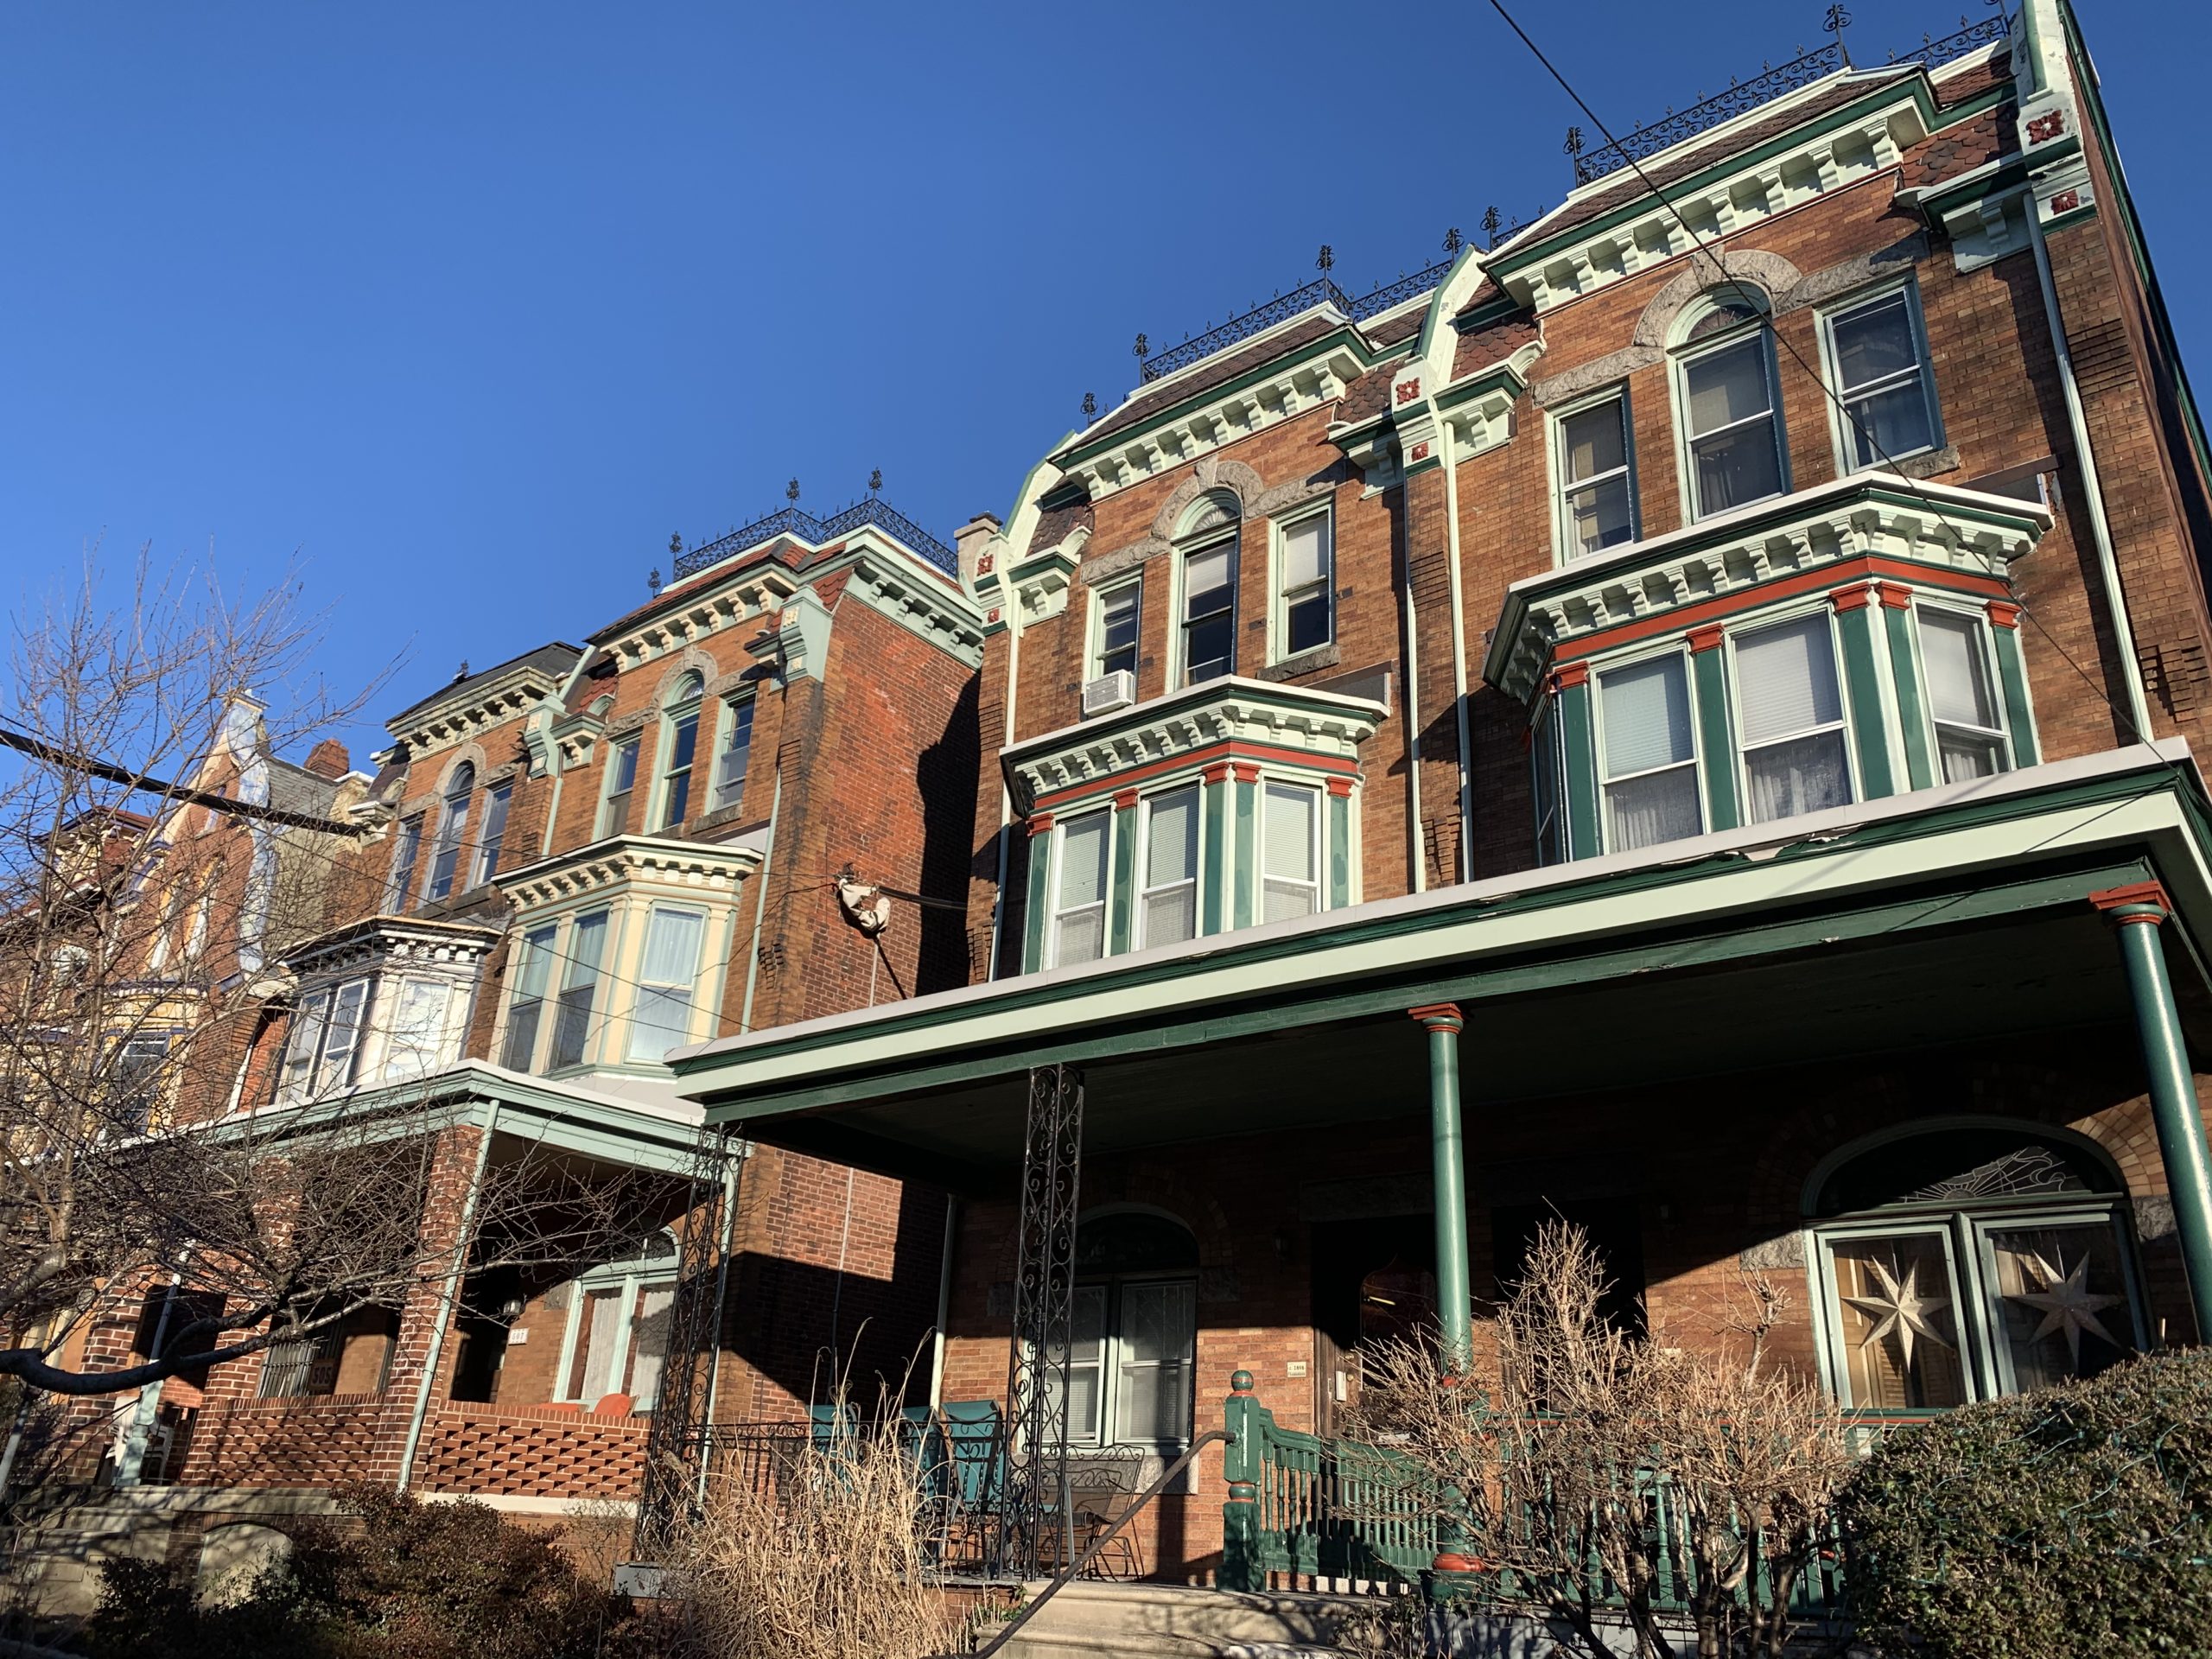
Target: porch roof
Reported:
[(1944, 915)]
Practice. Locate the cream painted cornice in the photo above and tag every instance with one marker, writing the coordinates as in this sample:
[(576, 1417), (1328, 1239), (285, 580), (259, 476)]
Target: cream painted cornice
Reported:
[(925, 605), (741, 599), (1325, 724), (1868, 513), (397, 941), (442, 725), (708, 869)]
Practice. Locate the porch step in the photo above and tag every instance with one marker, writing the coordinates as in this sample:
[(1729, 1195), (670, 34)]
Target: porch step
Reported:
[(1170, 1621)]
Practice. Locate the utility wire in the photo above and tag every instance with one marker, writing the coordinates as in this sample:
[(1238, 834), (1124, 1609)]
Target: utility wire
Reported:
[(180, 794)]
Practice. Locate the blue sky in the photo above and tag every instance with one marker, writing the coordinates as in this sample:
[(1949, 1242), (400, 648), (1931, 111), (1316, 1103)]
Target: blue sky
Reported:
[(463, 310)]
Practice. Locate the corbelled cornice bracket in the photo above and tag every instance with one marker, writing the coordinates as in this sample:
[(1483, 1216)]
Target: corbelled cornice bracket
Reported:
[(921, 605), (802, 635)]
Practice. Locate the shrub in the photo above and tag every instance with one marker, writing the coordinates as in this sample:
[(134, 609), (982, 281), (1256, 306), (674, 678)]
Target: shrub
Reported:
[(2073, 1521)]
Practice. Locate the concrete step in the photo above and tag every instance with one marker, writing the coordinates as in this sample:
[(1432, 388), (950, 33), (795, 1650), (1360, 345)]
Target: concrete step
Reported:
[(1168, 1621)]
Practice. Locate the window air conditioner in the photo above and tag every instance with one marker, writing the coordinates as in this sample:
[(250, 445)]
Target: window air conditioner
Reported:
[(1108, 692)]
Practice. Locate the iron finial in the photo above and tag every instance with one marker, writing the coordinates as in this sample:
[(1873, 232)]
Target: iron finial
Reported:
[(1836, 22), (652, 581), (675, 545), (1142, 349), (1491, 222), (1089, 406), (790, 491), (1326, 262), (1452, 240), (1573, 145), (874, 479)]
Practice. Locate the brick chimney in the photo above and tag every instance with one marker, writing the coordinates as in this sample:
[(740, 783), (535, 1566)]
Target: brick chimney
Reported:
[(328, 759)]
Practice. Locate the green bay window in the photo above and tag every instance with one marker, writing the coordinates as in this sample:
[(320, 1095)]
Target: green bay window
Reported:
[(1790, 720), (1961, 693), (1649, 753), (1290, 852), (1169, 909), (1079, 910)]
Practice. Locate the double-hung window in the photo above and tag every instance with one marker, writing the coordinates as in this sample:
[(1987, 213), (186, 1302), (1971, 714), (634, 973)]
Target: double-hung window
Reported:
[(736, 749), (661, 1018), (572, 1016), (1129, 1363), (1116, 611), (683, 739), (1170, 902), (1650, 753), (1547, 767), (1731, 415), (496, 799), (138, 1068), (325, 1038), (617, 1339), (1079, 911), (1961, 694), (453, 831), (1880, 366), (1790, 720), (1303, 576), (526, 1013), (406, 849), (1209, 614), (1597, 498), (1290, 852), (622, 783), (416, 1041)]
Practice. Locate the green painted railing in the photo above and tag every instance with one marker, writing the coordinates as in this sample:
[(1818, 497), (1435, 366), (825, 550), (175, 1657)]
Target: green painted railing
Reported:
[(1301, 1506)]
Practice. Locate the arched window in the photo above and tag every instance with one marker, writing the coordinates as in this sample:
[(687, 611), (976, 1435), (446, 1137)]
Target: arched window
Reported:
[(1135, 1332), (453, 829), (679, 743), (1728, 404), (1206, 549), (1970, 1260)]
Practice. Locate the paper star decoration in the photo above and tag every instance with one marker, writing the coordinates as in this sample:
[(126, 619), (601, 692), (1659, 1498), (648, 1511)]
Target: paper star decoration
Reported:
[(1901, 1308), (2067, 1305)]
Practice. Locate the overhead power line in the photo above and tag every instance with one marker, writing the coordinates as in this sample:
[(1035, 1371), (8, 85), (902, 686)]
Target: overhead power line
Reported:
[(176, 793)]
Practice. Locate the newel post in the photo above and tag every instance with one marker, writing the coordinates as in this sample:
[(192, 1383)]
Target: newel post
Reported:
[(2138, 911), (1240, 1509)]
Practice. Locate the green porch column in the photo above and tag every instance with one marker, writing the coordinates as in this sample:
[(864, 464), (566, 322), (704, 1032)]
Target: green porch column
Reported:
[(1122, 905), (1247, 863), (1904, 668), (2012, 677), (1580, 742), (1447, 1154), (1708, 669), (1862, 677), (2138, 910), (1213, 849), (1040, 904)]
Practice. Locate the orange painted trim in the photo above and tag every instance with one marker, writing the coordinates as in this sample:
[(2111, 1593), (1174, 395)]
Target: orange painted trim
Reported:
[(1216, 773), (1245, 771), (1735, 605), (1567, 674), (1340, 787), (1221, 755), (1125, 800), (1704, 639), (1439, 1016), (1895, 594), (1850, 599), (1040, 824), (2148, 898), (2002, 615)]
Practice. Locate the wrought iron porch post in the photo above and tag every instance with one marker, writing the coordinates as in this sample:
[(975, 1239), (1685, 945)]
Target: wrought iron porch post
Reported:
[(1044, 1312), (1447, 1154), (2138, 911)]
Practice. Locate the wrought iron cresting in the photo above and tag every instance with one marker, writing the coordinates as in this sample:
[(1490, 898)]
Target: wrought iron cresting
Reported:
[(1044, 1313), (677, 1440), (1322, 291), (790, 521)]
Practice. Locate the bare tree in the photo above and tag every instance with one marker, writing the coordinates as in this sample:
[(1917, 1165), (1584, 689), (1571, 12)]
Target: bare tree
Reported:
[(153, 872), (1592, 1469)]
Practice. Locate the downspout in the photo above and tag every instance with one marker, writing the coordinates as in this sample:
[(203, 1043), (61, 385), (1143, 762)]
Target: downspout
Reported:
[(1459, 656), (943, 1302), (2100, 530), (447, 1297), (732, 1178), (1006, 795), (1413, 736), (760, 905)]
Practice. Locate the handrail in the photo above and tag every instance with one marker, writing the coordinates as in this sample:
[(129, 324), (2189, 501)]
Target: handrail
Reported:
[(1074, 1571)]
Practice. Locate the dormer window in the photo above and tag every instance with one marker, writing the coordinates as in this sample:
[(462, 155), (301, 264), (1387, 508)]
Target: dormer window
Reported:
[(453, 826), (1207, 550), (1730, 409)]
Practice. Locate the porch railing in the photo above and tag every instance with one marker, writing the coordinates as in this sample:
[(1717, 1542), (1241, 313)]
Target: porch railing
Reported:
[(1300, 1506)]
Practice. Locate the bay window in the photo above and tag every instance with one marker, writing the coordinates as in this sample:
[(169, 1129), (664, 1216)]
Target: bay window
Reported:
[(1731, 414), (324, 1039), (532, 975), (1879, 364), (1290, 852), (1303, 576), (1170, 901), (1597, 497), (661, 1018), (1790, 720), (572, 1014), (1079, 912), (416, 1038), (1649, 754), (1961, 694)]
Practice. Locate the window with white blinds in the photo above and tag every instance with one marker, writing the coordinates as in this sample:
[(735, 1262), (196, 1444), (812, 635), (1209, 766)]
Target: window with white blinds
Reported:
[(661, 1020), (1169, 909), (1961, 694), (1790, 719), (1079, 912), (1304, 591), (1290, 852), (1650, 755), (1597, 506)]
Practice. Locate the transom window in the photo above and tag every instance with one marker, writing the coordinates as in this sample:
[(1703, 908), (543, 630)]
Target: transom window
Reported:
[(453, 829), (1116, 611), (1303, 577), (1730, 410), (1961, 1263), (1597, 497), (1649, 753), (622, 783), (736, 750), (1208, 621), (682, 739), (1170, 903), (1961, 694), (1790, 720), (1881, 373), (1079, 914)]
